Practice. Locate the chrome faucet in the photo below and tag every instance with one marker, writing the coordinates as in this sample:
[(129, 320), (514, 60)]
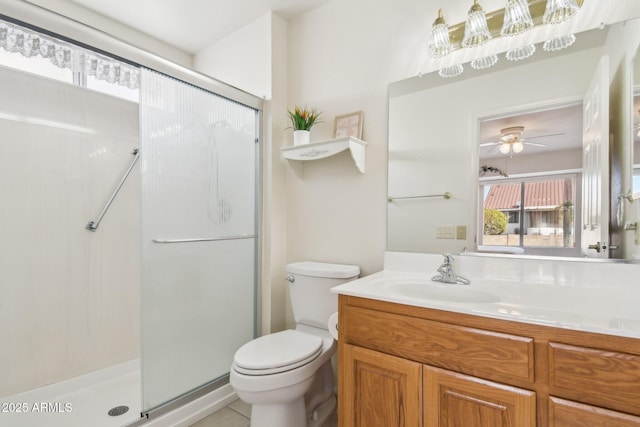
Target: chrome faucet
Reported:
[(447, 273)]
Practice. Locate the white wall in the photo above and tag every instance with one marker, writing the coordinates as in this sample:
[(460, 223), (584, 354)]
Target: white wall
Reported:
[(242, 59), (70, 298), (341, 59)]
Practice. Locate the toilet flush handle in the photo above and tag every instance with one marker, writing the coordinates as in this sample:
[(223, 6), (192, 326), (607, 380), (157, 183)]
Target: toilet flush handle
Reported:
[(290, 278)]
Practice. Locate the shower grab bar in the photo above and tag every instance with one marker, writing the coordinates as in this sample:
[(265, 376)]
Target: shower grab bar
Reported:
[(205, 239), (93, 225)]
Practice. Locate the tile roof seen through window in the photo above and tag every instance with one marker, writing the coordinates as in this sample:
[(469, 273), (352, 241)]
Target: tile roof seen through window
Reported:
[(541, 195)]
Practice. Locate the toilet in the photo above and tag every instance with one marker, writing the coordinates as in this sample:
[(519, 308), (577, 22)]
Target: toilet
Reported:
[(287, 376)]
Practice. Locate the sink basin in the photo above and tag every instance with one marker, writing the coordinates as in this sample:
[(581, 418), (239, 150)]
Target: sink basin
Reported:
[(426, 289)]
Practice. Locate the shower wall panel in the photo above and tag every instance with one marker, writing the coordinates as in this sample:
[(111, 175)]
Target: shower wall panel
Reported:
[(69, 301)]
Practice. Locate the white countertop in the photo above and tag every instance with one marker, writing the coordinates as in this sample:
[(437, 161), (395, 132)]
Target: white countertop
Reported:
[(581, 297)]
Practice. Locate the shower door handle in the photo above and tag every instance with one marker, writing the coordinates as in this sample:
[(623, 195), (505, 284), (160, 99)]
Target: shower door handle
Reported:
[(205, 239)]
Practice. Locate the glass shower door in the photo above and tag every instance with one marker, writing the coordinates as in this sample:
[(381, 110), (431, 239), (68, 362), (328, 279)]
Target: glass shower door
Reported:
[(198, 173)]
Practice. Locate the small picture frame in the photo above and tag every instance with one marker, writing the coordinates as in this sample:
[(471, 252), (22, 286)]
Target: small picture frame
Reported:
[(348, 125)]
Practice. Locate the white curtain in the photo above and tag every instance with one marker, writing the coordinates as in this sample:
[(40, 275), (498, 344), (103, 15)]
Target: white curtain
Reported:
[(30, 43)]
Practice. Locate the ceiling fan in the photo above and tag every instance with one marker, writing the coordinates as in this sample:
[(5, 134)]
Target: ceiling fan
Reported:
[(511, 140)]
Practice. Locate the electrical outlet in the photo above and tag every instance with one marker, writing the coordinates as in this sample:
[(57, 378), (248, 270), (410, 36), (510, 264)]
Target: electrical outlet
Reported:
[(445, 232), (461, 232)]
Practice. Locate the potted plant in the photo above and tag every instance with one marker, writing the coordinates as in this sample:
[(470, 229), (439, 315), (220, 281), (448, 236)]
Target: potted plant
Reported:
[(302, 119)]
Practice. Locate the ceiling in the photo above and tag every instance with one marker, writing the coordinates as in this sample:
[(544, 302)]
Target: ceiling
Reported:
[(557, 129), (192, 25)]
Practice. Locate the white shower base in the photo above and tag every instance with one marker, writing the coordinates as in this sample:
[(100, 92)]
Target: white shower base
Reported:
[(78, 402), (85, 400)]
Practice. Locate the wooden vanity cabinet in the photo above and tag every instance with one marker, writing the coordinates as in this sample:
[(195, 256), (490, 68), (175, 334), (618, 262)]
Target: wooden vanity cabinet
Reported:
[(406, 366), (457, 400), (387, 390)]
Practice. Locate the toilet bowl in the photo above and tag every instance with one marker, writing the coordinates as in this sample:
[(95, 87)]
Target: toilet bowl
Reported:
[(287, 376)]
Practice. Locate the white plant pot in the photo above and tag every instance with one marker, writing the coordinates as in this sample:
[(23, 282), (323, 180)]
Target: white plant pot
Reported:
[(301, 137)]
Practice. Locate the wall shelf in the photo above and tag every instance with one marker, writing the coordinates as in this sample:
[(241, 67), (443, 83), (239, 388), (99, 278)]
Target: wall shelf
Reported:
[(324, 149)]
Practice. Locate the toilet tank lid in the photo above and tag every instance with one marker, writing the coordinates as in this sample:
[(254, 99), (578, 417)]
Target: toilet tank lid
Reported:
[(322, 269)]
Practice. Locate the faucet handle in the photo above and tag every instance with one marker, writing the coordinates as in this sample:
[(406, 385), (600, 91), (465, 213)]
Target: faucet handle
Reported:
[(448, 258)]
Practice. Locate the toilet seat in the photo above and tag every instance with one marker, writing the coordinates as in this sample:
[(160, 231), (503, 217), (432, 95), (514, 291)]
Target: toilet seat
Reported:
[(277, 352)]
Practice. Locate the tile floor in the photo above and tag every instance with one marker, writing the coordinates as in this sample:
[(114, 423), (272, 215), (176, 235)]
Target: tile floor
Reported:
[(237, 414)]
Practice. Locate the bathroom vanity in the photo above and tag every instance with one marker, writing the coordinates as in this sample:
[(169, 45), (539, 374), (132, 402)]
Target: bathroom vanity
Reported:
[(507, 355)]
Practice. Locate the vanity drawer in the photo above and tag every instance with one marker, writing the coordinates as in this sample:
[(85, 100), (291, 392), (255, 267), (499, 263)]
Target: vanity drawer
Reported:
[(565, 413), (597, 376), (486, 354)]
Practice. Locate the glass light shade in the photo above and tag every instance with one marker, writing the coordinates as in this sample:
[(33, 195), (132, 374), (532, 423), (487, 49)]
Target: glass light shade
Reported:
[(559, 43), (476, 32), (483, 63), (520, 53), (517, 147), (452, 71), (559, 11), (505, 148), (439, 42), (517, 18)]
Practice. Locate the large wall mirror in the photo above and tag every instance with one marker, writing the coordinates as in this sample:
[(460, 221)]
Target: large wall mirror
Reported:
[(528, 157), (636, 127)]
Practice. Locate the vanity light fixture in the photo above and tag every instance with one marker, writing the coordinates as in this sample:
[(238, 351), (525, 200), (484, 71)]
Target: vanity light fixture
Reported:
[(439, 42), (452, 71), (484, 63), (558, 43), (520, 53), (476, 31), (516, 18), (558, 11)]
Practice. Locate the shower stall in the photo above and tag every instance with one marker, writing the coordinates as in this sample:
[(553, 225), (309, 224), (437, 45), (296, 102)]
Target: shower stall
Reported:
[(128, 257)]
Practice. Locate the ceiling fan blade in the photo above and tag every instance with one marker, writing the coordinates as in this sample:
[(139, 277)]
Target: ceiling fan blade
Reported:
[(534, 143), (486, 144), (543, 136)]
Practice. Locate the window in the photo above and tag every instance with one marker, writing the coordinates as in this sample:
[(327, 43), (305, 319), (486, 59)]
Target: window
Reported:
[(534, 212), (41, 54)]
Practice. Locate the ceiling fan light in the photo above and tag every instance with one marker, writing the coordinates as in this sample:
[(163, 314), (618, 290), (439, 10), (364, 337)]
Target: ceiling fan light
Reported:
[(505, 148), (517, 147)]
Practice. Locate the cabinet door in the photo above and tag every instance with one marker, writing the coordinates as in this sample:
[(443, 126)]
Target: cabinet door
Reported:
[(565, 413), (379, 390), (456, 400)]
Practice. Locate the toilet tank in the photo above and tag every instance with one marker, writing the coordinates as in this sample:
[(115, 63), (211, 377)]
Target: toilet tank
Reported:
[(310, 286)]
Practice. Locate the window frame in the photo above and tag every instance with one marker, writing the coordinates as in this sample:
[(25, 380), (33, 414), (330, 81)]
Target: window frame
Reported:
[(576, 174)]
